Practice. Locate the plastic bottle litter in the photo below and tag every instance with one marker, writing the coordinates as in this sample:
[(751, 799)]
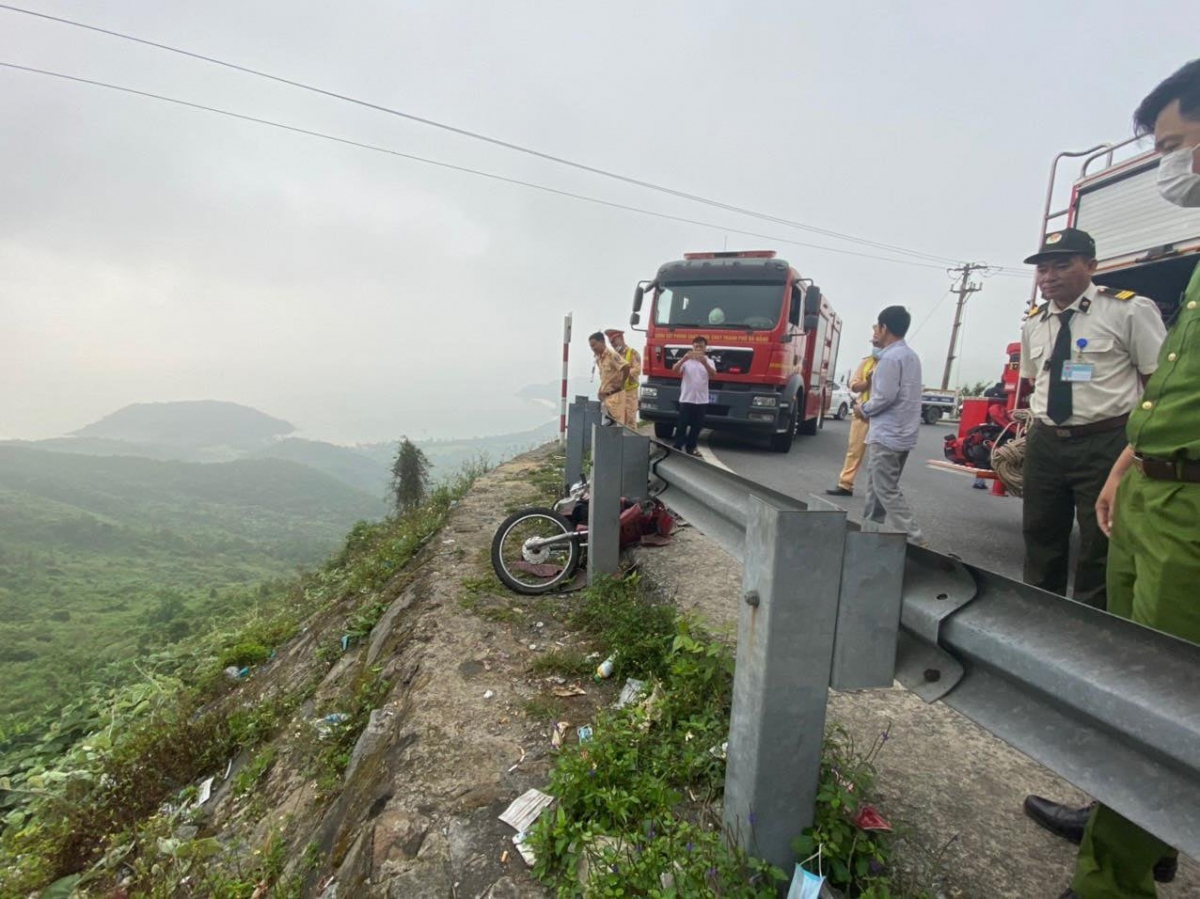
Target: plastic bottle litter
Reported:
[(605, 669)]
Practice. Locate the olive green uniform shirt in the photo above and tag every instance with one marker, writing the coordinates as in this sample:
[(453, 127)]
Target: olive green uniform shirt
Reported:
[(1165, 424)]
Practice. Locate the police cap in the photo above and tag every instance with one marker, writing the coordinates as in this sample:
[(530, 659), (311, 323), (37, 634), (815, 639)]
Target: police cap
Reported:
[(1067, 242)]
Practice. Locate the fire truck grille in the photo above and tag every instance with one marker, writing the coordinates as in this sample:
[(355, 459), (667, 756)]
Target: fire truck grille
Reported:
[(725, 361)]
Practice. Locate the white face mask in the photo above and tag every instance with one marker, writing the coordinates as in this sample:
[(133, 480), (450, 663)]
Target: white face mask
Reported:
[(1177, 182)]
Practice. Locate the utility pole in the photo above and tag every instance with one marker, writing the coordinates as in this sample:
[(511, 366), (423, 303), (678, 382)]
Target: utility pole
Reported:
[(965, 288)]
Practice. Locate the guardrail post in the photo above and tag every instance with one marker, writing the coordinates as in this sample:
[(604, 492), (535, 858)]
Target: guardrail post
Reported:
[(604, 510), (595, 415), (791, 579), (872, 593), (577, 434), (635, 466)]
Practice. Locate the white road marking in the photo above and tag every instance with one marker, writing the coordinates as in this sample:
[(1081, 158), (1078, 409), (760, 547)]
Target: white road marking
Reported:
[(711, 457)]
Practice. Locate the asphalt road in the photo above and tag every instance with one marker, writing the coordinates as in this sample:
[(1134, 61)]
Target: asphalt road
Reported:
[(982, 529)]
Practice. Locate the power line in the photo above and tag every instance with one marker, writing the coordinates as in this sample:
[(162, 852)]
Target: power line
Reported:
[(452, 167), (929, 314), (474, 135)]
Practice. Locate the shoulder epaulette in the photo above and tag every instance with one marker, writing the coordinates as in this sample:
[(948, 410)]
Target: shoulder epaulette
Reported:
[(1035, 310), (1117, 294)]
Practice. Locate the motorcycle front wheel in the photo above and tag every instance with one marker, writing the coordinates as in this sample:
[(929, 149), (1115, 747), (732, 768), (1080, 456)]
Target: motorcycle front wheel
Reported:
[(527, 565)]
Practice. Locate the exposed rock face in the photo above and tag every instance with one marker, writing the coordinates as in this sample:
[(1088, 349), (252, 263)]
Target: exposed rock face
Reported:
[(416, 813)]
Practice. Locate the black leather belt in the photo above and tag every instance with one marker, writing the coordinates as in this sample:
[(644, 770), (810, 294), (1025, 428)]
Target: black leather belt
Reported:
[(1168, 470), (1094, 427)]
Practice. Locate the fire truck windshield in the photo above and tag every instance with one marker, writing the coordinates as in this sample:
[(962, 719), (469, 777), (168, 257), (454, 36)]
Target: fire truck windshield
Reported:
[(751, 306)]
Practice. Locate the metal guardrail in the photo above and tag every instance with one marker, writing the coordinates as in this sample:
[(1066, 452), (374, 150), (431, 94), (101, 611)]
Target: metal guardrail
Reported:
[(1111, 706)]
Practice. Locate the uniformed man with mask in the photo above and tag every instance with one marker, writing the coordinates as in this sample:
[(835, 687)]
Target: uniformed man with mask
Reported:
[(1150, 505), (1088, 351)]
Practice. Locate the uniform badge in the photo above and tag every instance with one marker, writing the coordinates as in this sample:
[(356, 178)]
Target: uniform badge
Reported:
[(1053, 238)]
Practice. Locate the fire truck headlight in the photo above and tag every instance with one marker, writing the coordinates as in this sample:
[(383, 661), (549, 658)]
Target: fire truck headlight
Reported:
[(765, 401)]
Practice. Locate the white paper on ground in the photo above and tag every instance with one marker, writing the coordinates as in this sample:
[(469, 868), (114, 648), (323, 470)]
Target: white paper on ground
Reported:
[(205, 791), (524, 848), (524, 810)]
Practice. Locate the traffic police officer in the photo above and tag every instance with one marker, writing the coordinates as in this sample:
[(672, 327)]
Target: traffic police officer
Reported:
[(616, 338), (1151, 502), (1088, 351)]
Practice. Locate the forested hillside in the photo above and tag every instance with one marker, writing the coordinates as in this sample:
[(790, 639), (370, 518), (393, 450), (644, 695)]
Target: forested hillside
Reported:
[(104, 558)]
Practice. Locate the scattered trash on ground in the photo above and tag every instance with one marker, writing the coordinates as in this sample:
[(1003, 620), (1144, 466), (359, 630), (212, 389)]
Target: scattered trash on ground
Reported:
[(584, 732), (630, 692), (326, 725), (869, 819), (719, 752), (605, 669), (518, 761), (524, 848), (525, 809), (567, 691), (560, 734), (205, 791)]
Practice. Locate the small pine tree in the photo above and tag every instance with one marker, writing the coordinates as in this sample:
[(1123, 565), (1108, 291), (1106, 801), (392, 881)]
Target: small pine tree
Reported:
[(410, 476)]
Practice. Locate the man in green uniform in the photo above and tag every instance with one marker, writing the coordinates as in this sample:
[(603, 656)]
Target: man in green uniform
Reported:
[(1150, 505)]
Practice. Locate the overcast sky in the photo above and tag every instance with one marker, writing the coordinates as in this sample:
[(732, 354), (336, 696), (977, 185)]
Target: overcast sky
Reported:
[(150, 252)]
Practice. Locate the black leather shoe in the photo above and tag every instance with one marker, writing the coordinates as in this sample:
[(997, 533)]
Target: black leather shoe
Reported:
[(1061, 820), (1068, 823), (839, 491), (1069, 894), (1164, 869)]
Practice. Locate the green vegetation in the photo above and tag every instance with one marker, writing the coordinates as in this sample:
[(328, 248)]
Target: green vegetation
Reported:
[(107, 560), (111, 786), (410, 477), (637, 804)]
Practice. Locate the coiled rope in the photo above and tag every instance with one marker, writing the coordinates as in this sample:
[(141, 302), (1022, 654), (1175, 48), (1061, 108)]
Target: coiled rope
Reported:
[(1008, 459)]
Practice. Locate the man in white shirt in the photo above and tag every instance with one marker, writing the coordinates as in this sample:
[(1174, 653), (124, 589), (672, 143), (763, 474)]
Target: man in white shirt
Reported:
[(695, 369)]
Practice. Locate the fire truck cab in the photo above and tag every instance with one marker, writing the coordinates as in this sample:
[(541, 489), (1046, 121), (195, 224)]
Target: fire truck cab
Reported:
[(772, 338)]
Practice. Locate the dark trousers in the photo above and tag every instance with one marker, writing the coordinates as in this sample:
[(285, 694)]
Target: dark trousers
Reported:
[(687, 428), (1063, 478)]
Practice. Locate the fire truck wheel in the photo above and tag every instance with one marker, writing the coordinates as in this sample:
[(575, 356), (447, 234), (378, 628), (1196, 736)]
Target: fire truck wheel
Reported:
[(781, 443), (664, 430)]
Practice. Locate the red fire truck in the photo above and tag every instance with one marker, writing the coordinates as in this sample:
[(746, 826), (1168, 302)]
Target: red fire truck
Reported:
[(772, 338), (1143, 244)]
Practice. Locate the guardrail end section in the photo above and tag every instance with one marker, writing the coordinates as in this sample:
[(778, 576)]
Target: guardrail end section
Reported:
[(604, 509), (792, 570)]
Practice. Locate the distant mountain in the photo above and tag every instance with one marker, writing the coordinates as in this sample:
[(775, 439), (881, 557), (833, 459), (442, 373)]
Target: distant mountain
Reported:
[(347, 464), (201, 423), (218, 432), (447, 456)]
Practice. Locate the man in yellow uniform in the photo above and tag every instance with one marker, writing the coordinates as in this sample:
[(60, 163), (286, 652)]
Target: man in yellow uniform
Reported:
[(630, 391), (613, 372), (860, 384), (1150, 505)]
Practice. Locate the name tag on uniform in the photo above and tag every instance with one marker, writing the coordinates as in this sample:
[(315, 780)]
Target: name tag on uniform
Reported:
[(1077, 371)]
